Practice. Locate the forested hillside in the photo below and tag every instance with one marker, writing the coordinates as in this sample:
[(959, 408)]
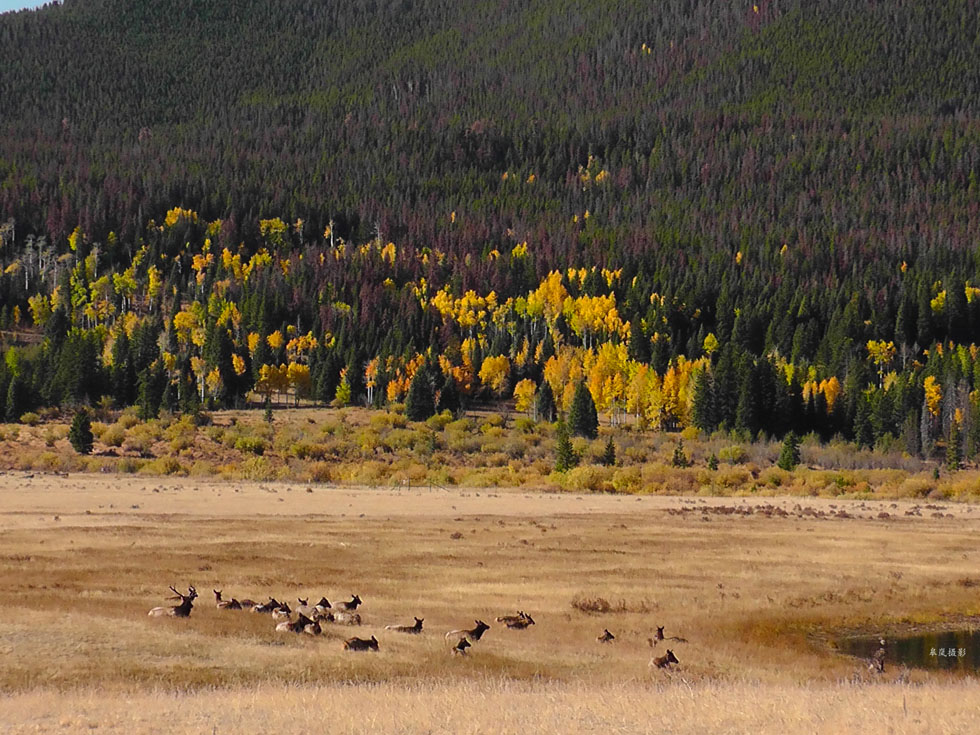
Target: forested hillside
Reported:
[(756, 216)]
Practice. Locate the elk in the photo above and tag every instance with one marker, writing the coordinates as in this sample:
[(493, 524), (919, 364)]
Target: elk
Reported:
[(460, 648), (343, 618), (231, 604), (877, 663), (413, 629), (323, 605), (361, 644), (282, 612), (300, 625), (182, 610), (664, 662), (267, 607), (606, 636), (517, 622), (351, 605), (474, 633)]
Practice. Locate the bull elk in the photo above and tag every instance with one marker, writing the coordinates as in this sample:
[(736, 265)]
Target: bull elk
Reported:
[(361, 644), (474, 633), (412, 629), (182, 610)]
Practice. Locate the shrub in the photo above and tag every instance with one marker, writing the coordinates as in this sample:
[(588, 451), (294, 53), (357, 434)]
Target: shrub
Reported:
[(440, 421), (733, 454), (128, 419), (258, 468), (251, 445), (320, 472), (627, 480), (588, 478), (30, 418), (163, 466), (113, 436), (525, 425)]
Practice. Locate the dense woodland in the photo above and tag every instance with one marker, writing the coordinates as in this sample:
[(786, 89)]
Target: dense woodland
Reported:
[(755, 217)]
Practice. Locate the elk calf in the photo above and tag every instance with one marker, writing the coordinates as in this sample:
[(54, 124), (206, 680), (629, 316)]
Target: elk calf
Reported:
[(460, 648), (413, 629), (361, 644), (664, 662), (606, 636)]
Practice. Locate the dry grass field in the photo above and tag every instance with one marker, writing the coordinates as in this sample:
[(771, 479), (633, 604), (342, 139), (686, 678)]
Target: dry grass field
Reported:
[(757, 586)]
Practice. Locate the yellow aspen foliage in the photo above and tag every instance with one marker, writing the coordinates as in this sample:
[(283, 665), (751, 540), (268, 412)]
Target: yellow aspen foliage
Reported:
[(273, 230), (520, 359), (214, 382), (252, 342), (519, 250), (154, 284), (938, 304), (40, 308), (881, 353), (74, 239), (495, 372), (298, 376), (933, 394), (388, 253), (198, 366), (178, 214), (169, 361), (710, 344), (831, 389), (275, 340), (237, 364), (524, 393), (185, 322)]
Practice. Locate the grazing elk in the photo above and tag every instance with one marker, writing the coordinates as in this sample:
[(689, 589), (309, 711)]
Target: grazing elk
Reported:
[(664, 662), (474, 633), (460, 648), (267, 607), (606, 636), (361, 644), (182, 610), (351, 605), (413, 629), (231, 604)]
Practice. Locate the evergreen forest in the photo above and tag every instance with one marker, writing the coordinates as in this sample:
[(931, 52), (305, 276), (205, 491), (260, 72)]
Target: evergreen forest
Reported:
[(759, 216)]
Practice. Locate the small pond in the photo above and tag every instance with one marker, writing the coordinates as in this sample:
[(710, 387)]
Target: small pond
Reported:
[(957, 650)]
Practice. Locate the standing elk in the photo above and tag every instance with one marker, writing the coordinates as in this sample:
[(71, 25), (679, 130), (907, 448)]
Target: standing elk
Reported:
[(322, 606), (474, 633), (460, 648), (182, 610), (231, 604), (351, 605), (664, 662), (361, 644), (413, 629), (606, 636)]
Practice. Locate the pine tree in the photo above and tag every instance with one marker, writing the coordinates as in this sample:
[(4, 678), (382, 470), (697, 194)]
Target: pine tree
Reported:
[(449, 398), (420, 403), (545, 402), (583, 420), (954, 447), (608, 457), (703, 409), (789, 455), (680, 457), (565, 456), (80, 434)]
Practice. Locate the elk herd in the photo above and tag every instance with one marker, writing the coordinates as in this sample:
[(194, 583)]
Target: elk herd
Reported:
[(306, 619)]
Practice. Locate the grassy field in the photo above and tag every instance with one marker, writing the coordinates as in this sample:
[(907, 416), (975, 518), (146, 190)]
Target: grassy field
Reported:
[(757, 586)]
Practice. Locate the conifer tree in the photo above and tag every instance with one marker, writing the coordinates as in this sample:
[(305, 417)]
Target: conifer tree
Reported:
[(954, 447), (565, 456), (420, 403), (608, 457), (680, 458), (449, 398), (583, 420), (80, 433), (789, 455), (545, 402)]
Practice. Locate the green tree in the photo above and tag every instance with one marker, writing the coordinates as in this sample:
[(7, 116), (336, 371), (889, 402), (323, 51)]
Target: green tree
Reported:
[(680, 458), (954, 447), (608, 457), (544, 402), (80, 433), (420, 403), (583, 420), (789, 455), (565, 456)]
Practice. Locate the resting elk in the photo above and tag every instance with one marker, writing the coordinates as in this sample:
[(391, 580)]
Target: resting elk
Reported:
[(182, 610), (361, 644), (474, 633), (664, 662), (231, 604), (413, 629)]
